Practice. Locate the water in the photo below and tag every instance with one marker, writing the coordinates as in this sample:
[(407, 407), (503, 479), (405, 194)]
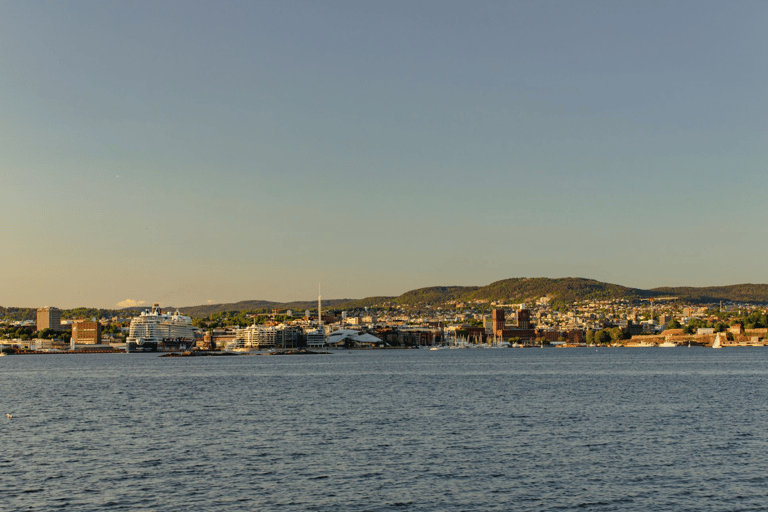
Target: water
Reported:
[(574, 429)]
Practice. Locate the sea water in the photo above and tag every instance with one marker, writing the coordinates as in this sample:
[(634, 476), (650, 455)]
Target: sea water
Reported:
[(505, 429)]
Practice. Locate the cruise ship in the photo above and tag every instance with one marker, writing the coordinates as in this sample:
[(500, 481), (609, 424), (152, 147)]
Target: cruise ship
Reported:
[(154, 330)]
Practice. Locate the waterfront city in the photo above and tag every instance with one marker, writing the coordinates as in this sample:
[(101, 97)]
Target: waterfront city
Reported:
[(542, 321)]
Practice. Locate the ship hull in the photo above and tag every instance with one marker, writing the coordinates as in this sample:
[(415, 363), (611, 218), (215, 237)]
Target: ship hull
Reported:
[(146, 346)]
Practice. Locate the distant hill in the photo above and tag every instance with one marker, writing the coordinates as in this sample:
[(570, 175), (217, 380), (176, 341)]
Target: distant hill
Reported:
[(520, 289), (435, 294), (525, 289), (749, 293), (252, 305), (566, 289)]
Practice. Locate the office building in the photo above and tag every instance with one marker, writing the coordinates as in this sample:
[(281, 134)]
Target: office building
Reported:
[(49, 318), (86, 333)]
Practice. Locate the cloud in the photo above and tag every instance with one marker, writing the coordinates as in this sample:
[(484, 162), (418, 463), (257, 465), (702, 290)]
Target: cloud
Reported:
[(129, 303)]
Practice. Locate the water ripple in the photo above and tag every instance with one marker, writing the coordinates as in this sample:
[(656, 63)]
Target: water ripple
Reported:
[(392, 430)]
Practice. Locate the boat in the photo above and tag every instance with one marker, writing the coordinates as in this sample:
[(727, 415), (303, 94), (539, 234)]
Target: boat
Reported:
[(154, 331), (717, 343), (668, 344)]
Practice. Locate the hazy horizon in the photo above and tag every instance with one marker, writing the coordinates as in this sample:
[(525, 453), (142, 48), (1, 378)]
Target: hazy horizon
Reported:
[(147, 303), (193, 152)]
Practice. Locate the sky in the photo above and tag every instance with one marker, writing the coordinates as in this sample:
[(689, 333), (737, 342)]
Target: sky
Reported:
[(194, 152)]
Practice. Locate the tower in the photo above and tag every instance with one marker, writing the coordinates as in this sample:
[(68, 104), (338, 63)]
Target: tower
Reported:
[(49, 318), (498, 320), (524, 319)]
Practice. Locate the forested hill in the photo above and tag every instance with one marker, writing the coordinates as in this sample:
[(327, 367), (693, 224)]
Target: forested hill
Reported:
[(524, 289), (255, 305), (566, 289), (575, 289), (750, 293), (436, 294), (521, 289)]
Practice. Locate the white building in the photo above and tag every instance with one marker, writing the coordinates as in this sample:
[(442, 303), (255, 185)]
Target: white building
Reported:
[(316, 338), (262, 337)]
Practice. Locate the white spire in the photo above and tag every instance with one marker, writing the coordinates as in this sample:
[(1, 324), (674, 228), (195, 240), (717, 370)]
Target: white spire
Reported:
[(319, 308)]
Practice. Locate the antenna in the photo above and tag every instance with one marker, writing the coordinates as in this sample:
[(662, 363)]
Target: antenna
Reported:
[(319, 308)]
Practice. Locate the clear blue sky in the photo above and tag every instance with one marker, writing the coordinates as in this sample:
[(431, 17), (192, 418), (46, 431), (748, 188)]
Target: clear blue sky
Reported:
[(188, 152)]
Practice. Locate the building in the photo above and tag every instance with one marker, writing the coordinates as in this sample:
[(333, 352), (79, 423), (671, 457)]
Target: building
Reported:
[(573, 336), (86, 333), (498, 320), (523, 318), (522, 331), (316, 338), (522, 334), (349, 338), (49, 318), (266, 337)]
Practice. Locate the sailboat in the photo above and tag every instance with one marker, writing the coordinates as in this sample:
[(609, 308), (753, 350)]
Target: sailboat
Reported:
[(717, 343)]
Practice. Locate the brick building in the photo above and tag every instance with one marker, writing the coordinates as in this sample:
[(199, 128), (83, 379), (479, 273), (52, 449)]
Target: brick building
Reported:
[(523, 318), (86, 333)]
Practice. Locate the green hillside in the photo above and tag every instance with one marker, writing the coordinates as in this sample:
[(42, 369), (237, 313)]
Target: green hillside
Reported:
[(749, 293), (576, 289), (566, 289), (435, 294), (520, 289), (256, 305)]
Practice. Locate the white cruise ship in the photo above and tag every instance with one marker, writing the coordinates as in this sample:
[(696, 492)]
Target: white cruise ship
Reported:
[(154, 330)]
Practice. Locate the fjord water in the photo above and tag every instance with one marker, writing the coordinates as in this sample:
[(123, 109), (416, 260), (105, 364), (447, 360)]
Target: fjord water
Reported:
[(614, 429)]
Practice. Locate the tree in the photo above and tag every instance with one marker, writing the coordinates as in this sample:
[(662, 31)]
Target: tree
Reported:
[(590, 337), (603, 337), (673, 324)]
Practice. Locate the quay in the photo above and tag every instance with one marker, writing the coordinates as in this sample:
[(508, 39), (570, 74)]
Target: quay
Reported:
[(20, 352)]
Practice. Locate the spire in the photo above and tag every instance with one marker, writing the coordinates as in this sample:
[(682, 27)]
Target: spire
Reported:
[(319, 308)]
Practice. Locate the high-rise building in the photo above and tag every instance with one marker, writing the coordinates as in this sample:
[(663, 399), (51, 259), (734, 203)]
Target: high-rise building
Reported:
[(523, 318), (49, 318), (86, 333), (498, 320)]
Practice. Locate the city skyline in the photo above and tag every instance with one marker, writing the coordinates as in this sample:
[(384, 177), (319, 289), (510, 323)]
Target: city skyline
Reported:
[(188, 153)]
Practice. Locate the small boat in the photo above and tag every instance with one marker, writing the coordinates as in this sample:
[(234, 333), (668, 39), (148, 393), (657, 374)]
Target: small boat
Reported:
[(668, 344), (717, 343)]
